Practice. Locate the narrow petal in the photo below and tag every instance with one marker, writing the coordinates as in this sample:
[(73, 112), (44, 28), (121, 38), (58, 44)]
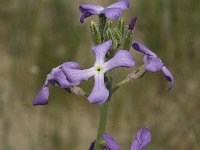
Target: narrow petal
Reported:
[(110, 142), (123, 5), (154, 64), (168, 76), (112, 13), (72, 65), (57, 77), (76, 76), (99, 92), (122, 58), (93, 8), (42, 97), (141, 140), (85, 15), (100, 51), (141, 48)]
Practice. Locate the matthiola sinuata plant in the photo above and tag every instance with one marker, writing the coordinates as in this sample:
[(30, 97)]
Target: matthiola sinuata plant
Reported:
[(111, 50)]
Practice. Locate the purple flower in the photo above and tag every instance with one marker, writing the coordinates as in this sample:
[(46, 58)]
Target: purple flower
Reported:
[(100, 93), (153, 63), (58, 78), (113, 11), (141, 140)]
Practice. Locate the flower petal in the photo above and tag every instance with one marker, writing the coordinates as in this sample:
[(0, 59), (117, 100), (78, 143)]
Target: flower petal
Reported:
[(85, 15), (57, 77), (168, 76), (110, 142), (76, 76), (112, 13), (72, 65), (93, 8), (141, 140), (123, 5), (141, 48), (154, 64), (100, 51), (122, 58), (42, 97), (99, 92)]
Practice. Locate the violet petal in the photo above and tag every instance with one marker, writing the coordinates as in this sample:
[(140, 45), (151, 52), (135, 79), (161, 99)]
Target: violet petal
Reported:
[(76, 76), (85, 15), (168, 76), (42, 97), (110, 142), (154, 64), (101, 50), (141, 140), (99, 92), (112, 13), (122, 58), (93, 8), (141, 48), (123, 5), (57, 76), (72, 65)]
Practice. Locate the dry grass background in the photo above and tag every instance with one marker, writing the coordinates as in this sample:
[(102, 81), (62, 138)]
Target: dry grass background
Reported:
[(37, 35)]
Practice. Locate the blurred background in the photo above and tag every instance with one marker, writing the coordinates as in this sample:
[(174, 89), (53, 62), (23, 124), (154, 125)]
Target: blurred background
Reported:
[(37, 35)]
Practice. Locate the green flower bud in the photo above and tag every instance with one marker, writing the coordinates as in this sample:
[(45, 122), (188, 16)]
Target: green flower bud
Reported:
[(95, 33), (121, 26), (128, 40)]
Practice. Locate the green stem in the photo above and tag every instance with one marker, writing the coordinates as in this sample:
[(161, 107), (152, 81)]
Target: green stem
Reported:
[(125, 81), (131, 77), (102, 124)]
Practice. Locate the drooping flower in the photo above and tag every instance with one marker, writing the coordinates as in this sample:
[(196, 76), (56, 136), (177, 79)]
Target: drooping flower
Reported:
[(58, 78), (141, 140), (153, 63), (100, 93), (113, 11)]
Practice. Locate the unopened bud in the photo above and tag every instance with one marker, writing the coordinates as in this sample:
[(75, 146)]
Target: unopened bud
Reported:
[(118, 35), (121, 26), (128, 40), (95, 33), (132, 23)]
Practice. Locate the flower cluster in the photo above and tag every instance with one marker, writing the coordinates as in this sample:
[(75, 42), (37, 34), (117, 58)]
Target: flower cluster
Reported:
[(108, 56)]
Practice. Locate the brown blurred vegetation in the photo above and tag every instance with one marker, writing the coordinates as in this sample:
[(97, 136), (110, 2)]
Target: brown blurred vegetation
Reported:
[(37, 35)]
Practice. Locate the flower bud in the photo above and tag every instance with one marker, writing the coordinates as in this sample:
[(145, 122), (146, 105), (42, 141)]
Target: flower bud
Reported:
[(132, 23), (121, 26), (128, 40), (95, 33)]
